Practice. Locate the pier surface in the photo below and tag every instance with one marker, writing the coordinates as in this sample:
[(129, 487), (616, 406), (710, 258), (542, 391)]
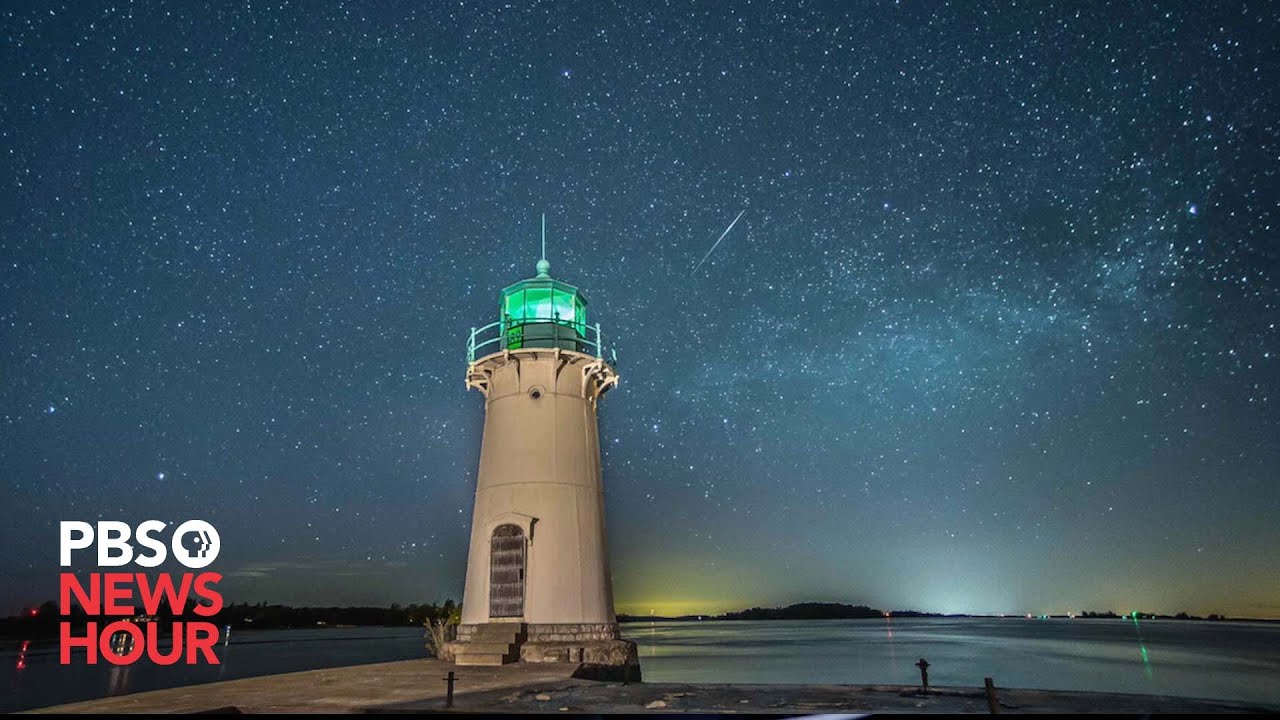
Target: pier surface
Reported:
[(414, 686)]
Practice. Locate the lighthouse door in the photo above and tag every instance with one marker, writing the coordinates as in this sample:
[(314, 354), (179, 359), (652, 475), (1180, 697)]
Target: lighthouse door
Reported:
[(506, 572)]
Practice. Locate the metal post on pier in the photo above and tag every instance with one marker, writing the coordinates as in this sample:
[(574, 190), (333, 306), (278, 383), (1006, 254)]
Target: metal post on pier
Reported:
[(992, 702), (924, 675), (448, 698)]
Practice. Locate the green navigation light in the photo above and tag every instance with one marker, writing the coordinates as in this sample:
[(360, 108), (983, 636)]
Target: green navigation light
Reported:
[(543, 301), (542, 312)]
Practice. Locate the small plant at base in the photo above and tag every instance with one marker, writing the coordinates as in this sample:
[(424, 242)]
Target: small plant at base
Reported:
[(441, 630)]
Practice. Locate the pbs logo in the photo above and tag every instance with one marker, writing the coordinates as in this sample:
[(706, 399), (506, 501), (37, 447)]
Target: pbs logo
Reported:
[(195, 543)]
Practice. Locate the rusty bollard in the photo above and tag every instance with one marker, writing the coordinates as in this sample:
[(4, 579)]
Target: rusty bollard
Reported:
[(991, 696), (448, 697), (924, 675)]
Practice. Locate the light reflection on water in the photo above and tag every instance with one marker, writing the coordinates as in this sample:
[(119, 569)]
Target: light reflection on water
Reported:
[(1237, 661)]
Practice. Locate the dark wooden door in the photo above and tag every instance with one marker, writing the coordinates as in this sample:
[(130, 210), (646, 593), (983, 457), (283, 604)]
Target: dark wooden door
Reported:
[(506, 572)]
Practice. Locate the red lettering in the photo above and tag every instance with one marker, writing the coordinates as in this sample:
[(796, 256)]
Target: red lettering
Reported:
[(88, 642), (204, 644), (203, 581), (199, 639), (153, 644), (69, 584), (164, 588), (114, 595)]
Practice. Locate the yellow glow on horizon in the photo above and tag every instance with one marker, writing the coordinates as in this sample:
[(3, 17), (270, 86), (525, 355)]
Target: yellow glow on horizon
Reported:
[(709, 606), (683, 606)]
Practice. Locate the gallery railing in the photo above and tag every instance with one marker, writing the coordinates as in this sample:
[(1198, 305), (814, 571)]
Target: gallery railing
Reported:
[(533, 332)]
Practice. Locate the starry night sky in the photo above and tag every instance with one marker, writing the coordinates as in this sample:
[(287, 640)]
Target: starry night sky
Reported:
[(996, 332)]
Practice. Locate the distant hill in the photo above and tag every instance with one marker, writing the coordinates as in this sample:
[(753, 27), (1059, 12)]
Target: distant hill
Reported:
[(799, 611), (840, 611), (806, 611)]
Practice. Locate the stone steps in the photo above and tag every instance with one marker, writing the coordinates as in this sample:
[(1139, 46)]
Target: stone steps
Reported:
[(461, 659), (485, 647), (491, 644)]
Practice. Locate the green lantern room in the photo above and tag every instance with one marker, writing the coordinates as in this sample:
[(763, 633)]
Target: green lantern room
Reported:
[(544, 313)]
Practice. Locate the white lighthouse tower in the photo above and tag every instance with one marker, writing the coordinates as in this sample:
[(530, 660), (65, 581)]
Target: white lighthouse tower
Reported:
[(538, 585)]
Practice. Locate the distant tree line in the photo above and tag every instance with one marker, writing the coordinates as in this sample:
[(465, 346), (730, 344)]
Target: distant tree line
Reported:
[(43, 621), (806, 611), (839, 611), (1150, 616), (244, 615)]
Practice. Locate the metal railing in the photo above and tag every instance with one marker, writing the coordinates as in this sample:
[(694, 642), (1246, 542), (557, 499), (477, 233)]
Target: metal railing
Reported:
[(498, 336)]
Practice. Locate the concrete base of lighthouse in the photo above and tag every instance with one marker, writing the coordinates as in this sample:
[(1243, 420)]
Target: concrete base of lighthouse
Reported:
[(597, 648)]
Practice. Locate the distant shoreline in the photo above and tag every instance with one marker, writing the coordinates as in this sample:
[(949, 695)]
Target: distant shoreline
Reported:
[(44, 622), (718, 618), (838, 611)]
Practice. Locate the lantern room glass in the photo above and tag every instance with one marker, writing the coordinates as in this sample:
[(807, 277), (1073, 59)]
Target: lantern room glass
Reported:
[(545, 304), (542, 312)]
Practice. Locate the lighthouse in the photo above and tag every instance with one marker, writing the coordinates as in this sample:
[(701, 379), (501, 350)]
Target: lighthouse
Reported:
[(538, 586)]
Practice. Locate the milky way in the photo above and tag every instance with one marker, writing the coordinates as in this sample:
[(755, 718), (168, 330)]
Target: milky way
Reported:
[(996, 332)]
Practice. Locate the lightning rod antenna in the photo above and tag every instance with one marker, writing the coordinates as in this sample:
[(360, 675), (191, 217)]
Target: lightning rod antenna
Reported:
[(544, 267)]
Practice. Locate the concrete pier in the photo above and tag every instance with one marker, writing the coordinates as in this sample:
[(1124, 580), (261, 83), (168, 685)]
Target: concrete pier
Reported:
[(356, 688), (416, 686)]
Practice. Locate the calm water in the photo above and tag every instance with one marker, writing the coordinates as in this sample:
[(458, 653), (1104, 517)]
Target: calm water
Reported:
[(1236, 661), (250, 653)]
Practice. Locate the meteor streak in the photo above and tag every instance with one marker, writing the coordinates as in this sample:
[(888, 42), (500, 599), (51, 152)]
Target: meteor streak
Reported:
[(717, 242)]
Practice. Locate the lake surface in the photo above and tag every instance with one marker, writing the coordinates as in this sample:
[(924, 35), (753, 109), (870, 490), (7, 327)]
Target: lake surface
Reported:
[(1234, 661), (250, 653)]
